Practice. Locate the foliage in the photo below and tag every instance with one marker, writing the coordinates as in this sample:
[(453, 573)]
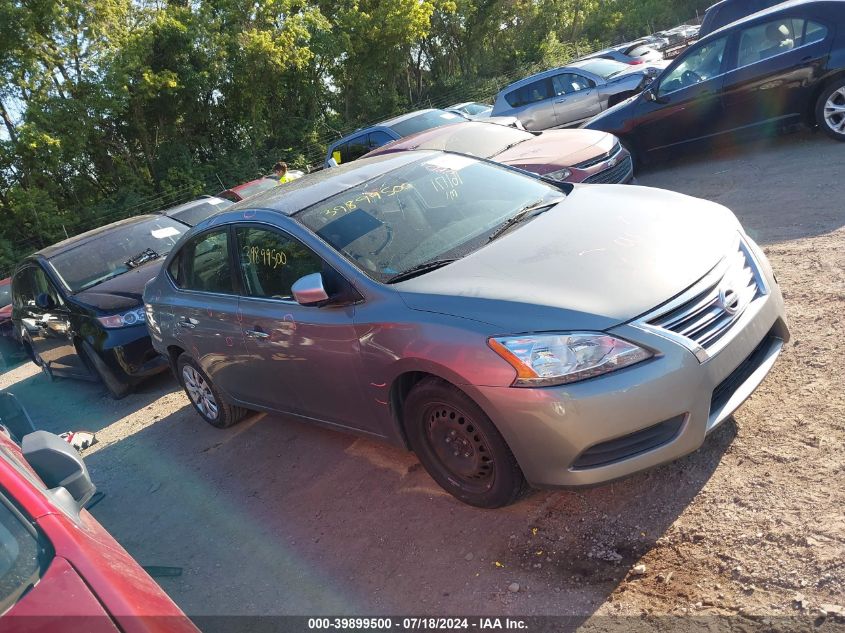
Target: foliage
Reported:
[(115, 107)]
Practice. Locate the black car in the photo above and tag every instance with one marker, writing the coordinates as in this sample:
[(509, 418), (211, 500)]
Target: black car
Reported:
[(77, 308), (727, 11), (772, 69)]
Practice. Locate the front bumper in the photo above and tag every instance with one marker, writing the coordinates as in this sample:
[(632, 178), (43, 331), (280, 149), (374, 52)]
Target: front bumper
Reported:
[(641, 416), (130, 354)]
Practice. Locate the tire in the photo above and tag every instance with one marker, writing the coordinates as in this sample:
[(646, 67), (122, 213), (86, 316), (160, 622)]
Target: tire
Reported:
[(440, 417), (829, 117), (206, 398), (117, 389)]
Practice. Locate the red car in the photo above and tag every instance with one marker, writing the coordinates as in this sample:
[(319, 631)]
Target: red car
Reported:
[(247, 189), (60, 571), (565, 155)]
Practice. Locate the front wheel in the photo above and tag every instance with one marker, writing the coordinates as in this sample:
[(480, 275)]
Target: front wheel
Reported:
[(830, 110), (460, 447), (205, 397)]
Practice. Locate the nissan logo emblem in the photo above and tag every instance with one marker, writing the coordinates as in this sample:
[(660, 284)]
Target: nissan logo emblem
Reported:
[(729, 300)]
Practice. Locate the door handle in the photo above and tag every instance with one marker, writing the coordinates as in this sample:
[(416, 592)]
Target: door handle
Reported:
[(189, 324), (560, 101), (256, 334)]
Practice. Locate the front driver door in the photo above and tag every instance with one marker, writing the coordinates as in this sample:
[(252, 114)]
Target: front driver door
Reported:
[(50, 331), (304, 359), (689, 99), (576, 98)]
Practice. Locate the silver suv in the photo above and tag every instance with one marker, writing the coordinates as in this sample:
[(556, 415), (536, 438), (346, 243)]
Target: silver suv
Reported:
[(567, 96)]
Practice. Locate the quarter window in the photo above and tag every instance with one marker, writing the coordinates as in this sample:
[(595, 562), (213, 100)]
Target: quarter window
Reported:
[(203, 264), (271, 262)]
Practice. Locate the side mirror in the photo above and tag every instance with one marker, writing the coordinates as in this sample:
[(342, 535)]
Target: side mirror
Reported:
[(309, 290), (45, 301), (649, 94), (58, 464)]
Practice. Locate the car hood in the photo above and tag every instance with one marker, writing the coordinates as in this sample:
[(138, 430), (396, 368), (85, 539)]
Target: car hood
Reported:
[(554, 149), (606, 254), (122, 292)]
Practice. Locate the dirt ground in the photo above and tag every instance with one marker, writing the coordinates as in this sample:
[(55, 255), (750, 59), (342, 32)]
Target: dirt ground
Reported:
[(276, 517)]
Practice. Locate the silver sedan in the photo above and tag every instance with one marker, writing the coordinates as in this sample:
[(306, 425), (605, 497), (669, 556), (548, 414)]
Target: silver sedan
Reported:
[(507, 329)]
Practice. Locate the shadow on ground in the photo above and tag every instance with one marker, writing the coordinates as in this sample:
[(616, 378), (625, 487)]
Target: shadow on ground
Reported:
[(275, 516)]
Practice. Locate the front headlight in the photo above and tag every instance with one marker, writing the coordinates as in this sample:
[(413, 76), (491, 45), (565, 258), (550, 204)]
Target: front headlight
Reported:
[(560, 174), (132, 317), (554, 359)]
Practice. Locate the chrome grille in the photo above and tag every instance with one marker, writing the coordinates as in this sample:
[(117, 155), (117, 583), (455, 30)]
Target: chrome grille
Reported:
[(595, 161), (613, 176), (708, 310)]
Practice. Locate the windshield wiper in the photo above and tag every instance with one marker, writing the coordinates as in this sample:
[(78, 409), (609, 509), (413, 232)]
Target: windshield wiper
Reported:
[(523, 214), (420, 269), (146, 255)]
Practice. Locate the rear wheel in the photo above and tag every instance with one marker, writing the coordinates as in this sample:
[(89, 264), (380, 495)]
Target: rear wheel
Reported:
[(460, 447), (117, 388), (830, 110), (205, 397)]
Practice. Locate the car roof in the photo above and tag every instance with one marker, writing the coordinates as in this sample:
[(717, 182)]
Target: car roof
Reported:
[(89, 236), (386, 123), (193, 203), (783, 6), (319, 185)]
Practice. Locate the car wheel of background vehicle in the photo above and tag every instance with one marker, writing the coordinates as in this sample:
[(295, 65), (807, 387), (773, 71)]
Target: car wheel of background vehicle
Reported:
[(830, 110), (205, 397), (460, 447), (113, 385)]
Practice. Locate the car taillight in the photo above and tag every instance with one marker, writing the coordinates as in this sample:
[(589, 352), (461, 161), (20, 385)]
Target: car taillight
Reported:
[(634, 62)]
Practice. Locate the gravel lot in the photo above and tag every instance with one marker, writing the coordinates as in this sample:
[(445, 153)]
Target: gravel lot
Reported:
[(276, 517)]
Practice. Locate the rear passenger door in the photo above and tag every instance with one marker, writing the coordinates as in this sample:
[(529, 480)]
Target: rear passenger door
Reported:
[(534, 105), (775, 64), (205, 309), (576, 98)]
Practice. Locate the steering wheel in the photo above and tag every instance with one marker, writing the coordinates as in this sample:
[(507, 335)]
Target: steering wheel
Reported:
[(690, 77)]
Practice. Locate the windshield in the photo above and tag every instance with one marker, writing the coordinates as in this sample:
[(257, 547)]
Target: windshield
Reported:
[(604, 68), (425, 121), (476, 108), (245, 191), (5, 295), (436, 208), (116, 251), (478, 139)]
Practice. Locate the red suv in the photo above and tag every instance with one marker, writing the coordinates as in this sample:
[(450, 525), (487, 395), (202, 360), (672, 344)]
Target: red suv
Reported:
[(59, 568)]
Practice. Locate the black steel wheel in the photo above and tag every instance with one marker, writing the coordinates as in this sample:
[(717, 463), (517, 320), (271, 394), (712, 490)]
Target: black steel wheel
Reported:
[(460, 447)]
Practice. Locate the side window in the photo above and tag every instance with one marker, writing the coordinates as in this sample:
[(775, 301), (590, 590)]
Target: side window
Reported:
[(570, 83), (271, 262), (700, 64), (357, 147), (204, 264), (22, 290), (768, 39), (19, 564), (813, 32), (42, 284), (378, 138), (532, 93), (339, 152)]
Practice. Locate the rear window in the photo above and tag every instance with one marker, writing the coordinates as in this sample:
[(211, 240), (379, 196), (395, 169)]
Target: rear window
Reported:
[(425, 121), (257, 187), (199, 212), (478, 139)]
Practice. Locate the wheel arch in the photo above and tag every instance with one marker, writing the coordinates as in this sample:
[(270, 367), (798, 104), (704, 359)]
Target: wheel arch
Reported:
[(810, 113)]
